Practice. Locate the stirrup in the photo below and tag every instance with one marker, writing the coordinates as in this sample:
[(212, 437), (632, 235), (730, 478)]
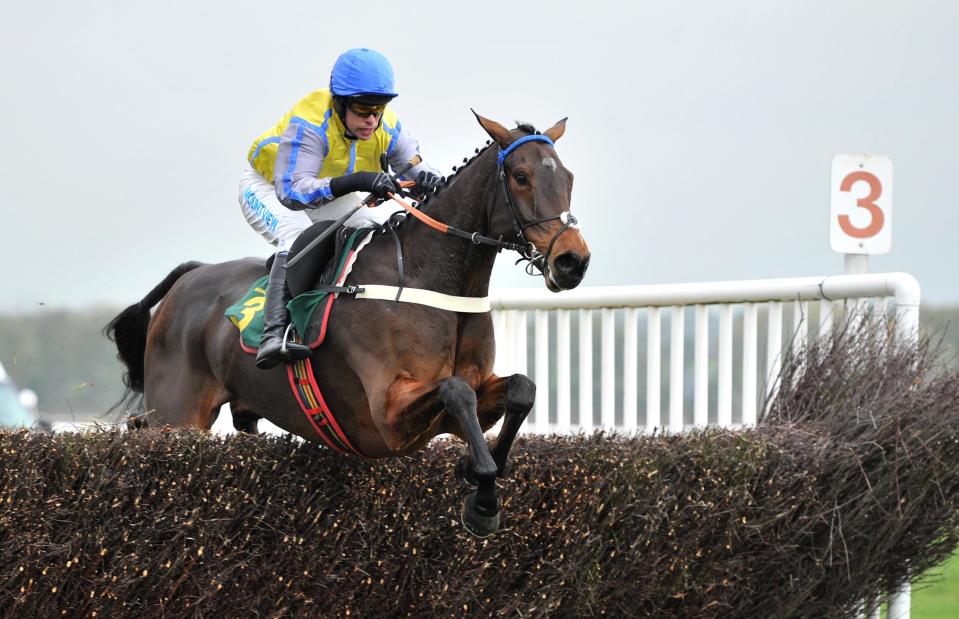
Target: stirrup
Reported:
[(295, 352)]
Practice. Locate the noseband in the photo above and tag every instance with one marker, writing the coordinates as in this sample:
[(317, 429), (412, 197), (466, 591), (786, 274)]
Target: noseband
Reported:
[(526, 249)]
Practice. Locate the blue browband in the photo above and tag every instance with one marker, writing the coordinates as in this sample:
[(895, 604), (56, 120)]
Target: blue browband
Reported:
[(529, 138)]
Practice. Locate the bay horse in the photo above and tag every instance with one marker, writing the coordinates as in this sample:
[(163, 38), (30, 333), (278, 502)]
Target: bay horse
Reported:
[(394, 374)]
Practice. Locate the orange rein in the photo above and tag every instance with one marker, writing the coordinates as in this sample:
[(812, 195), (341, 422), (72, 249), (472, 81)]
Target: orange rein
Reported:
[(475, 237), (426, 219)]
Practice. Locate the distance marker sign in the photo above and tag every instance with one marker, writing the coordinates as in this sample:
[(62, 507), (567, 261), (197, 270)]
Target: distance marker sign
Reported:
[(861, 204)]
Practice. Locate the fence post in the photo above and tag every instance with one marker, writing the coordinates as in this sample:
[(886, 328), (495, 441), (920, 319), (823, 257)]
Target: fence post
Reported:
[(907, 328)]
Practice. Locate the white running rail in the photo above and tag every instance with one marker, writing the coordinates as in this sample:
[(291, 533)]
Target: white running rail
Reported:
[(710, 304)]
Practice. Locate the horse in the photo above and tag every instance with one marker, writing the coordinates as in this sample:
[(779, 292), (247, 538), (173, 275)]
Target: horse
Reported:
[(395, 374)]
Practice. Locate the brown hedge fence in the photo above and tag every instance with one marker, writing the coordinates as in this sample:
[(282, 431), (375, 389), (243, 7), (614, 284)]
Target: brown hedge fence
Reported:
[(849, 485)]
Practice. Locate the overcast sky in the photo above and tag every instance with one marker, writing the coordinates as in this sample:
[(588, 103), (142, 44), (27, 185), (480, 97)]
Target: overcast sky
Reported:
[(700, 133)]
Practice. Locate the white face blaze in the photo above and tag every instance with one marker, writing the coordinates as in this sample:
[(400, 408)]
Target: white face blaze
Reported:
[(550, 163)]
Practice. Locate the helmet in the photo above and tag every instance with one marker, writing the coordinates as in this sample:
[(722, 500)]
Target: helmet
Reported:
[(363, 74)]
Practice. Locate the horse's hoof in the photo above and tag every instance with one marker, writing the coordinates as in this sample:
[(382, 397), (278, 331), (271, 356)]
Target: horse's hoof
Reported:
[(506, 470), (475, 521), (464, 472)]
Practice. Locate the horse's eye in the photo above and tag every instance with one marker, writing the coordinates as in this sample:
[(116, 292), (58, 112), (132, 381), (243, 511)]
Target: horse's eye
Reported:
[(521, 178)]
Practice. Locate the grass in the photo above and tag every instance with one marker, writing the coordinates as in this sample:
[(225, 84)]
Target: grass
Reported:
[(938, 597)]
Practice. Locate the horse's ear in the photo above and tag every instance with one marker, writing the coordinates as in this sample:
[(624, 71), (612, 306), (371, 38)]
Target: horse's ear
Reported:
[(556, 131), (495, 130)]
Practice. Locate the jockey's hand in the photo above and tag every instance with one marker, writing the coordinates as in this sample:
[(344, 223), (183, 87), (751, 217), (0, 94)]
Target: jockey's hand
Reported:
[(377, 183), (426, 182), (381, 185)]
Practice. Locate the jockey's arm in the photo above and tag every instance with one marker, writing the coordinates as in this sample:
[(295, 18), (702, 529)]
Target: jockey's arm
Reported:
[(299, 159), (405, 151)]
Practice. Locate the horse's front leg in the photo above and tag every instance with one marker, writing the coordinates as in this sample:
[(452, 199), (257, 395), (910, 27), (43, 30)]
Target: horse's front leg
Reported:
[(413, 401), (513, 395), (481, 508)]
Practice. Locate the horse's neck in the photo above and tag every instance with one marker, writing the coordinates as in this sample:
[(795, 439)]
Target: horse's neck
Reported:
[(450, 264)]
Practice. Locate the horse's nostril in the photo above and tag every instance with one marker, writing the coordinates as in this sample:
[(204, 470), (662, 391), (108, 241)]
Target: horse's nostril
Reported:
[(569, 263)]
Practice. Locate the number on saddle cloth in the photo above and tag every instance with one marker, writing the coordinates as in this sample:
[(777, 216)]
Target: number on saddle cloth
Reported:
[(307, 273)]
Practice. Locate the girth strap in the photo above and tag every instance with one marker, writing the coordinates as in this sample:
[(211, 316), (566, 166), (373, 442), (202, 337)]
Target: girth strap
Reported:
[(314, 406), (467, 305), (399, 262)]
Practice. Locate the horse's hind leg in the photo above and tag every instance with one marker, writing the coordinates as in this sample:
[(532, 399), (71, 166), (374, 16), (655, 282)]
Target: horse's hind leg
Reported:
[(180, 396), (137, 421), (244, 420)]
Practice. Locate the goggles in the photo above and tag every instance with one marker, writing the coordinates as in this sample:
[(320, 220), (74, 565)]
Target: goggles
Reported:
[(365, 110)]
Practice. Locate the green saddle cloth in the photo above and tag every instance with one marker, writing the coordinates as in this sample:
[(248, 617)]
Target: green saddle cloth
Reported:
[(247, 313)]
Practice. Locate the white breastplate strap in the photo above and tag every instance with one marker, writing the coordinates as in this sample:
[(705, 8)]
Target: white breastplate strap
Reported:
[(469, 305)]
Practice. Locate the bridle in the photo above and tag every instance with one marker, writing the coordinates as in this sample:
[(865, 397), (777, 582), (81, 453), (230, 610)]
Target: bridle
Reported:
[(529, 252), (520, 243)]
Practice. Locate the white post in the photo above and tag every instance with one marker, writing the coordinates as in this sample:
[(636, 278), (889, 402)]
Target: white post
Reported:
[(907, 326), (630, 367), (520, 342), (774, 344), (653, 360), (503, 328), (677, 341), (701, 368), (900, 602), (800, 332), (750, 369), (826, 309), (800, 326), (563, 378), (608, 364), (542, 371), (724, 404), (855, 264), (585, 368)]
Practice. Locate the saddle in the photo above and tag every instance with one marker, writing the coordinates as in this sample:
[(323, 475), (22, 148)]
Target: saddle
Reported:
[(314, 284)]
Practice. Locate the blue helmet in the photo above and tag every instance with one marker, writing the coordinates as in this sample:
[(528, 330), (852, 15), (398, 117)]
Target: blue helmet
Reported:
[(363, 73)]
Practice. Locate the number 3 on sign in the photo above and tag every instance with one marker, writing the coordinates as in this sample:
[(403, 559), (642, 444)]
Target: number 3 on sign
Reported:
[(861, 204)]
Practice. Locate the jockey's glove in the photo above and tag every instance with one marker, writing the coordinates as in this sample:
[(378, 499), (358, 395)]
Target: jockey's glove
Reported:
[(426, 182), (377, 183)]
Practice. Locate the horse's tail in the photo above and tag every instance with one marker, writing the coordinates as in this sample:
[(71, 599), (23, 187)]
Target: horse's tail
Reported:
[(129, 329)]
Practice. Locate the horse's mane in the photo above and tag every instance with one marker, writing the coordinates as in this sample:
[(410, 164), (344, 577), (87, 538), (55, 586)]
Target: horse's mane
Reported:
[(526, 127), (446, 181)]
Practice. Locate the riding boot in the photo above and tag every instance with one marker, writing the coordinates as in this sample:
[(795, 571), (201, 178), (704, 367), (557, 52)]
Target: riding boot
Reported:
[(273, 349)]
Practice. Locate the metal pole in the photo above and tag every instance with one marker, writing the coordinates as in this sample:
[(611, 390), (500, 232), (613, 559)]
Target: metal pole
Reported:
[(855, 264)]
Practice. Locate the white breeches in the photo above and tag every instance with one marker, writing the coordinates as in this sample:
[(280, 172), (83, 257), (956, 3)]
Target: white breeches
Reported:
[(280, 225)]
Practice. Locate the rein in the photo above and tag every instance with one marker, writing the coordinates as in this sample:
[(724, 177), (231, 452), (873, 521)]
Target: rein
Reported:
[(521, 245), (475, 237)]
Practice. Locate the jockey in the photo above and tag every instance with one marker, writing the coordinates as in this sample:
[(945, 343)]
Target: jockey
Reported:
[(308, 166)]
